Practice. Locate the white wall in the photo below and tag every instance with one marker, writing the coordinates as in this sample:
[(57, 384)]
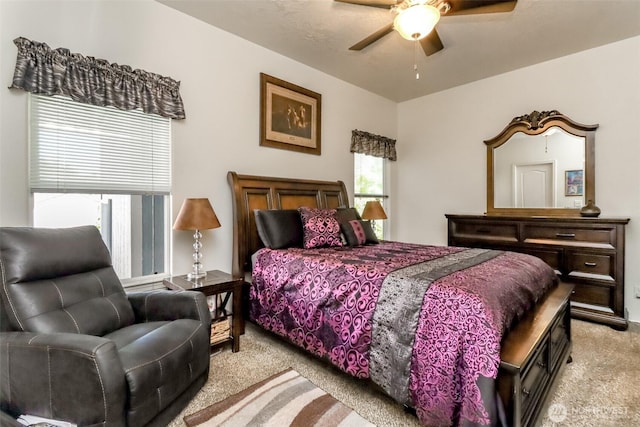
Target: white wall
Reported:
[(440, 142), (219, 76)]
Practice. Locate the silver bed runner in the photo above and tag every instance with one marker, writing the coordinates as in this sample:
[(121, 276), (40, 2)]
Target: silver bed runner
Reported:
[(399, 303)]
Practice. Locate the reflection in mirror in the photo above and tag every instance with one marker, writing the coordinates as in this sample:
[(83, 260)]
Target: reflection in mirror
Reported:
[(541, 164), (540, 171)]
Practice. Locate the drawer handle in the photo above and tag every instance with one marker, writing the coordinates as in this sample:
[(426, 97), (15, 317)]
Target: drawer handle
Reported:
[(541, 364), (566, 235), (525, 392), (590, 264)]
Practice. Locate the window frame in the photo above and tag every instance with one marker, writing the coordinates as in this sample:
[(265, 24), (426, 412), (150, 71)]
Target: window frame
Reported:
[(383, 197)]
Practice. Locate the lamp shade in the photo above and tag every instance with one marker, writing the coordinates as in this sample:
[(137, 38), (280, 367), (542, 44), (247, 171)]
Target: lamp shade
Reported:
[(415, 22), (196, 214), (373, 210)]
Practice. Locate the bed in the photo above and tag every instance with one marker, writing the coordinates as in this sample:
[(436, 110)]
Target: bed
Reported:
[(464, 336)]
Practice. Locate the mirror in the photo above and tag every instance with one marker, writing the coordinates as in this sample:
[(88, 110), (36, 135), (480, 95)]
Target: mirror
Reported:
[(541, 164)]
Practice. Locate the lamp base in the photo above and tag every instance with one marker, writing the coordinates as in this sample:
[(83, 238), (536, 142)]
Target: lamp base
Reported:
[(198, 272), (194, 275)]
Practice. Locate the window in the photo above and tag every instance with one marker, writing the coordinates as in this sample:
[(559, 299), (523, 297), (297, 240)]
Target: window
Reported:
[(105, 167), (369, 174)]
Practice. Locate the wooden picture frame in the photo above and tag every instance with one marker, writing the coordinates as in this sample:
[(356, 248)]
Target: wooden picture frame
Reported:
[(289, 116), (574, 182)]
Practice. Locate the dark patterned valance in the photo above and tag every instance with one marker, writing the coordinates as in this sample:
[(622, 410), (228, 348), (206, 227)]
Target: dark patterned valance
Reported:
[(44, 71), (373, 145)]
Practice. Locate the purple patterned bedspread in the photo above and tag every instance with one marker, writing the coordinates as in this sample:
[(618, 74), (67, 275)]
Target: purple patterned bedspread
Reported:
[(324, 300)]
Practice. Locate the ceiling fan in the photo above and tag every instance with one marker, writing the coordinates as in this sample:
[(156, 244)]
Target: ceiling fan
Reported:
[(415, 19)]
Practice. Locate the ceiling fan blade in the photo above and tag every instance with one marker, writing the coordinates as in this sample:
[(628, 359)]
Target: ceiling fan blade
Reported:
[(472, 7), (373, 37), (431, 43), (385, 4)]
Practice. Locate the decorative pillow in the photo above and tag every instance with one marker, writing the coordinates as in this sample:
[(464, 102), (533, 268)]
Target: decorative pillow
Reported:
[(368, 231), (279, 229), (354, 233), (358, 232), (319, 228), (344, 215)]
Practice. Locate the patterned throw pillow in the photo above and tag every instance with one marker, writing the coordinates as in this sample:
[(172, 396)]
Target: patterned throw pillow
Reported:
[(319, 227), (358, 232)]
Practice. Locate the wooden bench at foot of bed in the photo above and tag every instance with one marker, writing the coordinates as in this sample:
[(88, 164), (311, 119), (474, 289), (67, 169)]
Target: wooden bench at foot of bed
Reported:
[(532, 356)]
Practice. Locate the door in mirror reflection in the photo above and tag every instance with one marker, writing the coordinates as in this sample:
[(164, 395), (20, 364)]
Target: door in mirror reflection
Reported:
[(534, 185)]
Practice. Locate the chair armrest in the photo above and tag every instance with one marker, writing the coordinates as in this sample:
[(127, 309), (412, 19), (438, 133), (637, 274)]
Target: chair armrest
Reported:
[(169, 305), (71, 377)]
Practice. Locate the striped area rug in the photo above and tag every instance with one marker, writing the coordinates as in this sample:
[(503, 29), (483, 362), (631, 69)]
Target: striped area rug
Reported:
[(284, 399)]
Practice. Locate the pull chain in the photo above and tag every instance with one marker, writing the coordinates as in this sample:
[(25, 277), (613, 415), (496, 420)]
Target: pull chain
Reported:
[(546, 144), (415, 59)]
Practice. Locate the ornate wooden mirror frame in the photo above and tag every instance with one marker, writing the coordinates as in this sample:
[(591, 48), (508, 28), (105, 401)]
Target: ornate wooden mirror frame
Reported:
[(538, 123)]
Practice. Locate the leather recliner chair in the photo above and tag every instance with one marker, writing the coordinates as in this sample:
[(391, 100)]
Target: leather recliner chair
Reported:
[(75, 347)]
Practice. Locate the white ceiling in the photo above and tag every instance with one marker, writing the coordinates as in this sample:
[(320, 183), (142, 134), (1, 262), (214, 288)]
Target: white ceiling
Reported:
[(319, 32)]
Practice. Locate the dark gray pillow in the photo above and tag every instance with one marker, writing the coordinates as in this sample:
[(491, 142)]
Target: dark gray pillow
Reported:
[(368, 231), (279, 229), (344, 215)]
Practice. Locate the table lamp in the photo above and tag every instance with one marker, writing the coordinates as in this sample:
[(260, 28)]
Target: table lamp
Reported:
[(373, 210), (196, 214)]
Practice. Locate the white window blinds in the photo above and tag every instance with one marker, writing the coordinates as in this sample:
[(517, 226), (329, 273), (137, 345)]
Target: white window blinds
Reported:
[(81, 148)]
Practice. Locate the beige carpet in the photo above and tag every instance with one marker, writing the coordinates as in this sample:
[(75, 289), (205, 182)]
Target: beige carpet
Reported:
[(601, 388)]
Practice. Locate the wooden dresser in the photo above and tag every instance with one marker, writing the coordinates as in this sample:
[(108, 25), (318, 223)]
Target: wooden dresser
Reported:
[(586, 252)]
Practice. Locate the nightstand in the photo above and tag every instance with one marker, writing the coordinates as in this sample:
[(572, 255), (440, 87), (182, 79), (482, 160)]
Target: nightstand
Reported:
[(218, 286)]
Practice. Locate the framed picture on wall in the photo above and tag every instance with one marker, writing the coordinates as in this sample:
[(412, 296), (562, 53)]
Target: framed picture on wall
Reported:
[(289, 116), (574, 182)]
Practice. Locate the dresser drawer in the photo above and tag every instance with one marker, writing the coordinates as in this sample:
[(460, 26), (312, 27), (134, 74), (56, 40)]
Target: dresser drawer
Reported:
[(553, 257), (591, 265), (599, 296), (485, 230), (604, 237)]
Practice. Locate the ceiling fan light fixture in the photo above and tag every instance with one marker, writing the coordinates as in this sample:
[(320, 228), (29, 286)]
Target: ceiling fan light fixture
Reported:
[(415, 22)]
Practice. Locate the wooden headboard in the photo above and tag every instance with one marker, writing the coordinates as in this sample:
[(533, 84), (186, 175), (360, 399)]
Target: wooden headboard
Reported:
[(263, 192)]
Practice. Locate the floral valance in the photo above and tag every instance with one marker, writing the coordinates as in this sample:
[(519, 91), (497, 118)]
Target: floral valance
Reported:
[(46, 71), (373, 145)]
